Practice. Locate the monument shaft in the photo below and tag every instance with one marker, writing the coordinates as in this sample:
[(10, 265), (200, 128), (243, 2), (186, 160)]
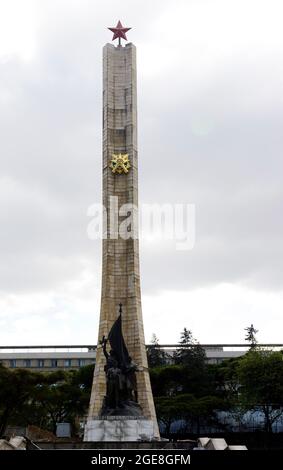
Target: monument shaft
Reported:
[(120, 264)]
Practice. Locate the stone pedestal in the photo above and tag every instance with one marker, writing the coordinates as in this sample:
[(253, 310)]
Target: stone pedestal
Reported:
[(119, 429)]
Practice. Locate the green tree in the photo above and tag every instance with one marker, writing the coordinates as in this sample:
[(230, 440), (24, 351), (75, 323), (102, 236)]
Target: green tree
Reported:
[(61, 399), (167, 380), (192, 357), (228, 379), (155, 355), (173, 380), (43, 399), (168, 410), (189, 350), (192, 411), (251, 336), (200, 411), (83, 377), (16, 387), (260, 374)]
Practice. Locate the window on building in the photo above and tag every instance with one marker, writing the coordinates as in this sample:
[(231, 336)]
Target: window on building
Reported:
[(68, 362), (27, 363), (81, 362), (13, 363), (40, 363), (54, 363)]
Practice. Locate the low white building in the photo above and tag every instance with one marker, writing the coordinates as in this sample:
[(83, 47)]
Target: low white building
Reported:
[(49, 358)]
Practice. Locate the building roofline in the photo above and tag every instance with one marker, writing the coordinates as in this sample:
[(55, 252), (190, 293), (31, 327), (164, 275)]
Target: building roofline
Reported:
[(94, 346)]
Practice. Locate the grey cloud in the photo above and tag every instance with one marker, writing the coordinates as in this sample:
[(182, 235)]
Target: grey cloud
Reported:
[(216, 143)]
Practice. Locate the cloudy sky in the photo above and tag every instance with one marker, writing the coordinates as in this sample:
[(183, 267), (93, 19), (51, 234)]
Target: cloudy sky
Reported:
[(210, 97)]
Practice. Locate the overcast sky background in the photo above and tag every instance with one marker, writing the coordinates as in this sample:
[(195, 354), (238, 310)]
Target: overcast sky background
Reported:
[(210, 105)]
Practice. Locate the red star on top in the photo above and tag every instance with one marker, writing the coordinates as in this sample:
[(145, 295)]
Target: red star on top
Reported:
[(119, 32)]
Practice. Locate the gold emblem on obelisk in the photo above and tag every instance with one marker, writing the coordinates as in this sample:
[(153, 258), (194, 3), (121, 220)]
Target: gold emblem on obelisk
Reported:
[(120, 163)]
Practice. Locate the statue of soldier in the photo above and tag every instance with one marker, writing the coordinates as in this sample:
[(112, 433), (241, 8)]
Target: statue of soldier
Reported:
[(121, 397), (114, 382), (130, 383)]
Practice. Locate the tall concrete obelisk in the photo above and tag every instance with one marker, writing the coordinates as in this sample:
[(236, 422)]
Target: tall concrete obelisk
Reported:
[(120, 265)]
